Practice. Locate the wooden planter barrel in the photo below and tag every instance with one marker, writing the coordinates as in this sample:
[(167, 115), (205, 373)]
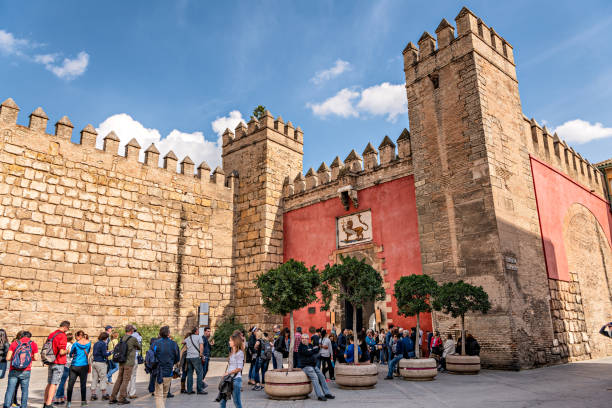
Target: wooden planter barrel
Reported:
[(287, 385), (360, 376), (463, 364), (422, 369)]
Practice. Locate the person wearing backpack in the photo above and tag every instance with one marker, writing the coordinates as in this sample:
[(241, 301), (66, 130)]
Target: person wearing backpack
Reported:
[(166, 355), (266, 356), (195, 347), (21, 353), (54, 355), (99, 367), (124, 354)]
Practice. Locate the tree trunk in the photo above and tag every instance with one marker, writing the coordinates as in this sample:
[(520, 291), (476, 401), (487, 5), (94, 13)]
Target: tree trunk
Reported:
[(292, 342), (462, 335), (417, 349), (355, 344)]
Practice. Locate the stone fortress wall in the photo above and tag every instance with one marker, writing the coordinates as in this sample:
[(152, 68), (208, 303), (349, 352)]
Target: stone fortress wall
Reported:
[(97, 238), (471, 151)]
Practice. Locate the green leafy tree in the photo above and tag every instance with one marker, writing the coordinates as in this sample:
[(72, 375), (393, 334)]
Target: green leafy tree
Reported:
[(353, 281), (222, 333), (459, 298), (289, 287), (259, 111), (413, 295)]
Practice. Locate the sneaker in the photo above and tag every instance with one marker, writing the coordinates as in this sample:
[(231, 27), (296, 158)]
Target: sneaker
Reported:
[(106, 397), (113, 401), (329, 396), (84, 403), (94, 397), (190, 392), (68, 404), (202, 392), (183, 391), (388, 378), (322, 399), (170, 395)]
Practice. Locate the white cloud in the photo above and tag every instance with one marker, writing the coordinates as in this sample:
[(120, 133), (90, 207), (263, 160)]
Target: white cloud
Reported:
[(384, 99), (580, 131), (183, 144), (68, 69), (339, 67), (227, 122), (340, 104), (10, 45)]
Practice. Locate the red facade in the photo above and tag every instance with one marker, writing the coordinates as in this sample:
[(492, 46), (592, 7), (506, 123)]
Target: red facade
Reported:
[(555, 193), (310, 237)]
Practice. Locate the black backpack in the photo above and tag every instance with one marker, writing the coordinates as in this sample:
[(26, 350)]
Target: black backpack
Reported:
[(120, 352)]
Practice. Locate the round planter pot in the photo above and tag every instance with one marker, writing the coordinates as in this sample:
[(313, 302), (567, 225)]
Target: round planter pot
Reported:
[(422, 369), (287, 385), (361, 376), (463, 364)]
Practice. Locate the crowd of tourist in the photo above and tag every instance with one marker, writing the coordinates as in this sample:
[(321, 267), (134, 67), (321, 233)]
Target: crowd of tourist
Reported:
[(71, 356)]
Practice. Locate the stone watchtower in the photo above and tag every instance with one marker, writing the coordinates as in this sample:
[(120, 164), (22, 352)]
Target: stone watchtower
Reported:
[(262, 155), (474, 191)]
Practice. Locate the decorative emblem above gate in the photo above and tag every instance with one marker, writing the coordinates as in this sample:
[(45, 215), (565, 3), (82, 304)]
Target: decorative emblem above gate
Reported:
[(354, 229)]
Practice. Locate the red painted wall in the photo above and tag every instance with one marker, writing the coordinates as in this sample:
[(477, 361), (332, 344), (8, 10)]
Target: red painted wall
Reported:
[(310, 237), (555, 193)]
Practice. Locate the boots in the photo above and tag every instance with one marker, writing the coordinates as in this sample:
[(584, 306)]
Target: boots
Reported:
[(183, 389)]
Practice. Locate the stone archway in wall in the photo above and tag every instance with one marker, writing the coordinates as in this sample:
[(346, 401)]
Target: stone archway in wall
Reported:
[(588, 296), (368, 313)]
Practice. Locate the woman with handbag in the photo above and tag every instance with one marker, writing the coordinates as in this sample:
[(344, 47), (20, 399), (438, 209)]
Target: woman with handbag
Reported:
[(234, 371)]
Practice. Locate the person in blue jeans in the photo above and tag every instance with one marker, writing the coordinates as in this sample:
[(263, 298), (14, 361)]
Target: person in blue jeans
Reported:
[(20, 376), (60, 394), (399, 354), (308, 364), (236, 363)]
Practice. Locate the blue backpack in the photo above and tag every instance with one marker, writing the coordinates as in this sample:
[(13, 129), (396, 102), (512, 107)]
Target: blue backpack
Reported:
[(22, 357), (150, 360)]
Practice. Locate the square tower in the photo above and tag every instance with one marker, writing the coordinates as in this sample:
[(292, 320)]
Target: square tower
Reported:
[(474, 190), (261, 155)]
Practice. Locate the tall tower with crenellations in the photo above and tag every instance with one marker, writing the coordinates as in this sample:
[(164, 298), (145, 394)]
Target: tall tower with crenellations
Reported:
[(261, 156), (474, 190)]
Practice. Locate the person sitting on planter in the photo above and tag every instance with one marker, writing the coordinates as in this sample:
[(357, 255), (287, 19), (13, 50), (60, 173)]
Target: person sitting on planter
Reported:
[(408, 345), (472, 348), (449, 350), (308, 363), (363, 345), (349, 353), (398, 355)]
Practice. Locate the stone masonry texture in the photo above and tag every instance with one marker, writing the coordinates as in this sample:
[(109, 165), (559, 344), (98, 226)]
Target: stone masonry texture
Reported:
[(97, 237)]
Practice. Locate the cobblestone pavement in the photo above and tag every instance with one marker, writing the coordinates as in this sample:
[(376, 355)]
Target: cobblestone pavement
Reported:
[(576, 385)]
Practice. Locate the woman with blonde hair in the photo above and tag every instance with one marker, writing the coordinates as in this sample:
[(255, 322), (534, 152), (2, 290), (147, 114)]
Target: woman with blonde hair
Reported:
[(234, 368)]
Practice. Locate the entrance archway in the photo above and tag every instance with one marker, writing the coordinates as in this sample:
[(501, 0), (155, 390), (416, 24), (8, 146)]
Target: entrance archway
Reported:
[(589, 296)]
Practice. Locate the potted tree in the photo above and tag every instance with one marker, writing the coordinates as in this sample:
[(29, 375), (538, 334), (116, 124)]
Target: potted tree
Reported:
[(289, 287), (457, 299), (413, 294), (356, 282)]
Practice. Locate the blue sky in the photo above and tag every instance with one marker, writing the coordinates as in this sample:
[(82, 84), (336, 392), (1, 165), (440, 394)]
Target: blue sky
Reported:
[(177, 73)]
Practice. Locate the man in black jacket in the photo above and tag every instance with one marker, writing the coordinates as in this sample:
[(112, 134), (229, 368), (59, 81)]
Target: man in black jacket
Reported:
[(308, 364)]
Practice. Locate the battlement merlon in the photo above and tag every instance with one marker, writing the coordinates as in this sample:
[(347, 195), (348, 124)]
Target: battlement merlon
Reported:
[(473, 35), (266, 128), (549, 148), (9, 112)]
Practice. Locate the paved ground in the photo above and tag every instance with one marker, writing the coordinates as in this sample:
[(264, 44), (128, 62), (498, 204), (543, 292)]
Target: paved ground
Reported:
[(574, 385)]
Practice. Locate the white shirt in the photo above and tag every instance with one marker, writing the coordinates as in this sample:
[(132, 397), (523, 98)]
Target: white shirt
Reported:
[(236, 360), (326, 352)]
